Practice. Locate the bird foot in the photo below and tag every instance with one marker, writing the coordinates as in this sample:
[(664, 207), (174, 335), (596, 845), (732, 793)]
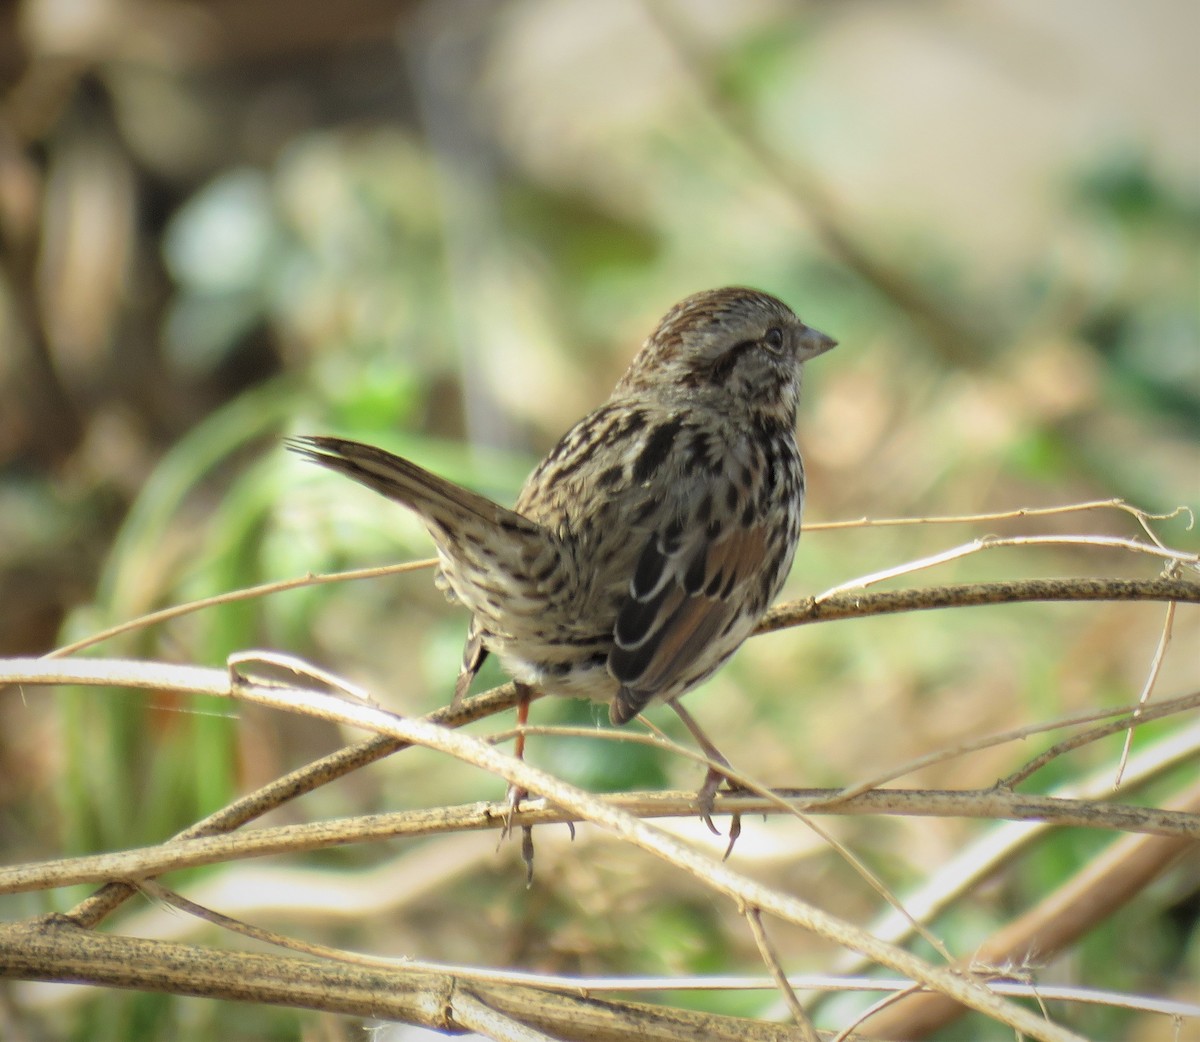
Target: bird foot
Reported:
[(513, 799), (706, 798)]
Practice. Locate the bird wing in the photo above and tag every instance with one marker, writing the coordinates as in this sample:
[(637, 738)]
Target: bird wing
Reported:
[(684, 597)]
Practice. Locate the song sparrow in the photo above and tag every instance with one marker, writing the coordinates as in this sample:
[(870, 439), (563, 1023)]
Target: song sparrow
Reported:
[(645, 547)]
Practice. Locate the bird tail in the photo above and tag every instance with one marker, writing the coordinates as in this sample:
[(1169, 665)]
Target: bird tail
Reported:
[(434, 499)]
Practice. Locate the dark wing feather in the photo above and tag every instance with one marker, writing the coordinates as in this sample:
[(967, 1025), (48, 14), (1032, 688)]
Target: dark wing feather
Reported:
[(682, 598)]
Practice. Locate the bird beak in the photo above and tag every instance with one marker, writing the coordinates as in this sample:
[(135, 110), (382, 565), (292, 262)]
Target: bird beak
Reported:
[(813, 342)]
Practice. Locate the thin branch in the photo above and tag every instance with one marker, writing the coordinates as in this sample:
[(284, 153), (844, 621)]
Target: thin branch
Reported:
[(202, 680), (656, 739), (1138, 716), (770, 959), (283, 585), (1143, 517), (471, 1013), (744, 782), (1103, 885), (54, 949), (983, 857), (1131, 718), (876, 1007), (1175, 557), (588, 985), (969, 595), (232, 596), (94, 909), (1160, 653), (142, 863)]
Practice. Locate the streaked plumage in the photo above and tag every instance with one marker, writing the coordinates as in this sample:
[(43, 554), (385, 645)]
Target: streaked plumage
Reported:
[(646, 546)]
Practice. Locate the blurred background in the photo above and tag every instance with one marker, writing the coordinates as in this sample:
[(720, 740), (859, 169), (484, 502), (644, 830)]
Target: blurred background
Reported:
[(444, 227)]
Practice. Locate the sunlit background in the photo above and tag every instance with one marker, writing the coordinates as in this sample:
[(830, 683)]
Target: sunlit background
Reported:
[(444, 227)]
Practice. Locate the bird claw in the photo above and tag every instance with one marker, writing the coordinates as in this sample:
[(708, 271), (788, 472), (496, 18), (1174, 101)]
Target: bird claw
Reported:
[(735, 830), (514, 797), (512, 800), (706, 798)]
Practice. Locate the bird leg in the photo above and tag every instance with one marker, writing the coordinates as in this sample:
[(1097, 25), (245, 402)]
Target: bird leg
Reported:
[(713, 779), (515, 792), (473, 656)]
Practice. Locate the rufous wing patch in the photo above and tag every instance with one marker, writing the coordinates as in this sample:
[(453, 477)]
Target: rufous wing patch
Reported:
[(654, 651)]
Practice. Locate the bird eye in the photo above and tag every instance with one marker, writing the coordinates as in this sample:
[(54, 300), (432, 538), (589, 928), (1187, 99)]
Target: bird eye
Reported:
[(774, 338)]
